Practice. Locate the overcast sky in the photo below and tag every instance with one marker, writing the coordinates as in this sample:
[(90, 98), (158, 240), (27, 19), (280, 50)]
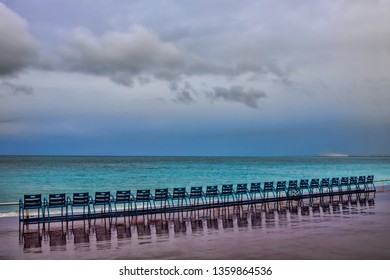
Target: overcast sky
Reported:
[(182, 77)]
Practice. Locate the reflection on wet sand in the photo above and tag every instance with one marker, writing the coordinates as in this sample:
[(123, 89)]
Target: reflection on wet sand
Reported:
[(271, 217)]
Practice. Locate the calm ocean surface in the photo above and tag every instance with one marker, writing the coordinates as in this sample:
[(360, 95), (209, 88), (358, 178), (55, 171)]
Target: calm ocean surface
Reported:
[(21, 175)]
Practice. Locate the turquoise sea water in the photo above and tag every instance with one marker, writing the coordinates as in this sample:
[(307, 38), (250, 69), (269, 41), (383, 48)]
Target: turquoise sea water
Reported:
[(21, 175)]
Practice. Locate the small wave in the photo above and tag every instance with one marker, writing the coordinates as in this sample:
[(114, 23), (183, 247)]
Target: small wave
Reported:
[(8, 214)]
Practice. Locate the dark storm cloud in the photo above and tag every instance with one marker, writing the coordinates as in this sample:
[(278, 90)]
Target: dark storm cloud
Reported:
[(125, 56), (17, 48), (10, 89), (249, 97)]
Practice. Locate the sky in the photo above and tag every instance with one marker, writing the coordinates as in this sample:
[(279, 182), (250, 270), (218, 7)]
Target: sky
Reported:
[(180, 77)]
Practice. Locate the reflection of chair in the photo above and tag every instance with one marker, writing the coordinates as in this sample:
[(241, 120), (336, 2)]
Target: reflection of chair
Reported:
[(31, 202), (179, 226), (143, 230), (102, 232), (32, 239), (57, 237), (212, 223), (196, 225), (80, 200), (80, 234), (162, 227), (123, 231), (56, 201)]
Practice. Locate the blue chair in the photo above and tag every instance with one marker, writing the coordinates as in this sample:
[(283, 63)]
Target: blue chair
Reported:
[(180, 194), (255, 189), (143, 196), (362, 182), (353, 182), (56, 201), (102, 199), (123, 197), (241, 190), (211, 194), (370, 182), (324, 185), (344, 184), (31, 202), (304, 187), (314, 186), (196, 195), (335, 184), (161, 195), (268, 188), (80, 200), (281, 189), (226, 193), (292, 190)]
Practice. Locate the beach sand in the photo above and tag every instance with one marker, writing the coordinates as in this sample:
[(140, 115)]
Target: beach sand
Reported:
[(352, 229)]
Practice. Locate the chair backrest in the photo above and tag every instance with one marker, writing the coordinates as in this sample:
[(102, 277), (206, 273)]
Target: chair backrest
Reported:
[(353, 180), (325, 182), (179, 192), (362, 179), (334, 182), (143, 195), (268, 186), (196, 192), (255, 188), (314, 183), (344, 181), (161, 194), (241, 188), (102, 197), (370, 179), (211, 190), (281, 185), (57, 200), (32, 201), (292, 184), (227, 189), (304, 183), (80, 199), (122, 196)]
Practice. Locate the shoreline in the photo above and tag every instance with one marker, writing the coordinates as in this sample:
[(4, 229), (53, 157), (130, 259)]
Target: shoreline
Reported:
[(285, 233)]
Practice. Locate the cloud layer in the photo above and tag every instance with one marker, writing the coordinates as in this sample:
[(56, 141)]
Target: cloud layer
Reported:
[(17, 48)]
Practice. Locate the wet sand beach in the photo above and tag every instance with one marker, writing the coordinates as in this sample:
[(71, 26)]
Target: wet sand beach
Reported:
[(354, 227)]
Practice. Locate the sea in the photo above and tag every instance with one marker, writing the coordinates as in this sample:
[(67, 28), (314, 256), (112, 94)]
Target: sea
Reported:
[(45, 175), (341, 227)]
